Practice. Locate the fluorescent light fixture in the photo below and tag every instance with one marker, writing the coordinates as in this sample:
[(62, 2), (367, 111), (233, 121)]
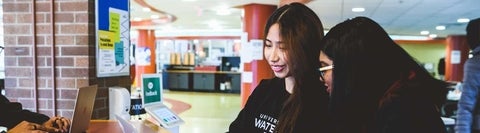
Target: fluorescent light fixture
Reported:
[(463, 20), (425, 32), (441, 27), (358, 9), (433, 35)]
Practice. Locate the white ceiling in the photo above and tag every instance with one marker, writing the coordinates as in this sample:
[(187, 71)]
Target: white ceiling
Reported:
[(398, 17)]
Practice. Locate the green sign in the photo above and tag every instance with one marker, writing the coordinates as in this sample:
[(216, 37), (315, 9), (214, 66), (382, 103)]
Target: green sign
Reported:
[(151, 90)]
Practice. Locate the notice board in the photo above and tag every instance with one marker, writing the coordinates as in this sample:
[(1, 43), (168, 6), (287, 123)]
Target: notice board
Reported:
[(112, 27)]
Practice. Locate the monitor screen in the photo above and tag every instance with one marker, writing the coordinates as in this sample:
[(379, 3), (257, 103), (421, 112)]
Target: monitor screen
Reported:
[(152, 88)]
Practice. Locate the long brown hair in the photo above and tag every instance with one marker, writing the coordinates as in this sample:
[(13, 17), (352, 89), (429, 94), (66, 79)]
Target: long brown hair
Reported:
[(301, 31)]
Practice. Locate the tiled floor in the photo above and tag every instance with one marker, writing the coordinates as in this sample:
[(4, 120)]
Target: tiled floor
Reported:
[(209, 113)]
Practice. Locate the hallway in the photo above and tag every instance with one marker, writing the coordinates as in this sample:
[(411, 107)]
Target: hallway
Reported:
[(209, 112)]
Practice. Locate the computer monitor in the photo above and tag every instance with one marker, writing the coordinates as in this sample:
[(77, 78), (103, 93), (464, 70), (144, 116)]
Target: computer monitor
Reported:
[(229, 62)]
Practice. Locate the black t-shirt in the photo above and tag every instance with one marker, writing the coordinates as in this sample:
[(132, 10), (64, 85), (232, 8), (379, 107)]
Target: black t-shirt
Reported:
[(260, 114)]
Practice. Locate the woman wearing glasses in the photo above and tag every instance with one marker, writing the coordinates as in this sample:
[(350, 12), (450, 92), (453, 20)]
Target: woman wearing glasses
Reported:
[(375, 85), (292, 102)]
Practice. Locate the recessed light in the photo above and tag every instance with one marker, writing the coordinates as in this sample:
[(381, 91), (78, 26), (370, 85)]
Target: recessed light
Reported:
[(137, 19), (146, 9), (425, 32), (463, 20), (358, 9), (441, 27), (154, 16)]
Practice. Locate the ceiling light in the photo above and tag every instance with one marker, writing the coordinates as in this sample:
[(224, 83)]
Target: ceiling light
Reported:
[(433, 35), (358, 9), (463, 20), (146, 9), (425, 32), (441, 27), (154, 16), (137, 19)]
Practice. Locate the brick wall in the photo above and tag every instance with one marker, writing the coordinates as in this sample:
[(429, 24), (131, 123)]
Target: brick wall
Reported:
[(28, 56)]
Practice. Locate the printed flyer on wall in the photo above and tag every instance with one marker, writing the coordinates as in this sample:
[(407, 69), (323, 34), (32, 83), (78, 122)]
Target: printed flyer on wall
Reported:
[(113, 38)]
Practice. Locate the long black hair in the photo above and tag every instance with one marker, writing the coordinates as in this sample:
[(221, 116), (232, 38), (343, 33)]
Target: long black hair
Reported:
[(367, 63)]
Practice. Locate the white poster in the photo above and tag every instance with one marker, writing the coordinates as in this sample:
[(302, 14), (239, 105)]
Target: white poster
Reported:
[(256, 49), (455, 57)]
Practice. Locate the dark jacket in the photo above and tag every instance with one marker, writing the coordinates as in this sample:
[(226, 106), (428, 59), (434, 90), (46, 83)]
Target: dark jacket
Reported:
[(406, 110), (12, 113)]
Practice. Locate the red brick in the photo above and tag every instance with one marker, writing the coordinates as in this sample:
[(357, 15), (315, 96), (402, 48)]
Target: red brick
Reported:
[(44, 51), (26, 82), (11, 61), (45, 72), (65, 61), (44, 103), (68, 94), (18, 29), (42, 18), (81, 17), (82, 82), (44, 93), (16, 7), (24, 18), (9, 18), (74, 29), (74, 72), (42, 61), (42, 83), (74, 51), (65, 104), (18, 72), (66, 83), (74, 6), (64, 40), (81, 62), (10, 82), (25, 39), (64, 17), (27, 103), (42, 7), (82, 40), (11, 40), (18, 93), (17, 51), (43, 29), (25, 61)]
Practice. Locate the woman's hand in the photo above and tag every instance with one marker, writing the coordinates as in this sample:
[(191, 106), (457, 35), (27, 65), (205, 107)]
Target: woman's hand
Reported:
[(61, 123), (28, 127)]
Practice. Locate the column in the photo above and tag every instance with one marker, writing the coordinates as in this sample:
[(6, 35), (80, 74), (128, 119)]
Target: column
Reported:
[(144, 55), (456, 54), (254, 21)]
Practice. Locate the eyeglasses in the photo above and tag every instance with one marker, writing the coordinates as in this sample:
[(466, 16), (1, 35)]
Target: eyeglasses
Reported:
[(322, 71)]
